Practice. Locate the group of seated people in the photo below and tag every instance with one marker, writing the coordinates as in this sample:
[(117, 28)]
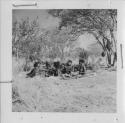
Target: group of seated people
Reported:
[(58, 69)]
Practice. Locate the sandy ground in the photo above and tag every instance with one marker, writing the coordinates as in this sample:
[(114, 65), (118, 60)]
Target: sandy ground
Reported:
[(95, 93)]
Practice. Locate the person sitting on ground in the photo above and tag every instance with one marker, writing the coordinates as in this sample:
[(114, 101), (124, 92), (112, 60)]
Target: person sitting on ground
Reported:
[(49, 69), (33, 72), (63, 68), (75, 71), (82, 68), (68, 68), (56, 66)]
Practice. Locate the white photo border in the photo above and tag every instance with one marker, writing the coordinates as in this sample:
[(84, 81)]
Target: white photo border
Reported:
[(6, 64)]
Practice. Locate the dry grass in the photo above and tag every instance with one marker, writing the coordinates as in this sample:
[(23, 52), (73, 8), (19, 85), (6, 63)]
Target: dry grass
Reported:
[(94, 93)]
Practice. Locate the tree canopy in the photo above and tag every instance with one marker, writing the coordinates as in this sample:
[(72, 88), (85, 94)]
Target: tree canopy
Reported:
[(30, 38), (102, 23)]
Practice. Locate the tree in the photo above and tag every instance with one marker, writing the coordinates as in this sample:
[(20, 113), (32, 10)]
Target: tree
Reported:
[(25, 37), (62, 41), (101, 23)]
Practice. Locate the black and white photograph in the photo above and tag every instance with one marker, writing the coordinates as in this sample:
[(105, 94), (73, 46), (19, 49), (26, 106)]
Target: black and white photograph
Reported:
[(64, 60)]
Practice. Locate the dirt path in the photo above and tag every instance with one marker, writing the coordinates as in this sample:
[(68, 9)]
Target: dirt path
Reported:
[(88, 94)]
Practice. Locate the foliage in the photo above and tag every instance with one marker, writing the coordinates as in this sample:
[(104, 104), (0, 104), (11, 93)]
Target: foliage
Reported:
[(29, 39), (101, 23), (25, 34), (83, 54)]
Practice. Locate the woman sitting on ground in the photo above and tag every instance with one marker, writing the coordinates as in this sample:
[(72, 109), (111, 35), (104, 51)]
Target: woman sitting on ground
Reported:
[(33, 72), (82, 68)]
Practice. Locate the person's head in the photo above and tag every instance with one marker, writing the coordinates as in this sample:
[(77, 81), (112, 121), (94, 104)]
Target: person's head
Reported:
[(62, 65), (57, 64), (81, 61), (69, 62), (75, 68)]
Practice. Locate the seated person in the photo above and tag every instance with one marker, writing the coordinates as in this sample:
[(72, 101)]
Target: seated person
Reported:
[(66, 69), (82, 67), (33, 72), (75, 71), (49, 70), (63, 68), (69, 67), (56, 67)]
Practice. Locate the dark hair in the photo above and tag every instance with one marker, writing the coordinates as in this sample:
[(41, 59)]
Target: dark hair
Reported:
[(81, 61), (69, 61), (56, 64)]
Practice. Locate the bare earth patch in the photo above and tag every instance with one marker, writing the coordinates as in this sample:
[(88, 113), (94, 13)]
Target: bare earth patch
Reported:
[(94, 93)]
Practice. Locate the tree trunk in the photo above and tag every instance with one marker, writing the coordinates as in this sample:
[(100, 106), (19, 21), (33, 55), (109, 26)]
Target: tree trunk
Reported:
[(111, 62), (114, 59), (114, 47), (108, 58)]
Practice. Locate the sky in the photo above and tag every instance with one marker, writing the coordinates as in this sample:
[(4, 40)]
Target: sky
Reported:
[(86, 40), (47, 21)]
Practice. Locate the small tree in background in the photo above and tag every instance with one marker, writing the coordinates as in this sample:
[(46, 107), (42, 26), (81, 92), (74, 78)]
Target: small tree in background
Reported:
[(25, 38)]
